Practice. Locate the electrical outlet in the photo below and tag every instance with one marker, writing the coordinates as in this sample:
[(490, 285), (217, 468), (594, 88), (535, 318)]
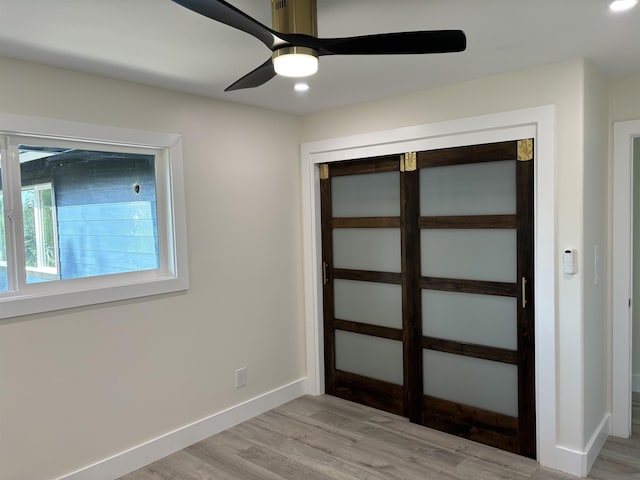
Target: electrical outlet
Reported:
[(241, 377)]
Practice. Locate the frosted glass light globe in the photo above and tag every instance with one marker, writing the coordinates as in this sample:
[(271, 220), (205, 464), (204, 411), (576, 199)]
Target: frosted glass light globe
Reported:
[(295, 65)]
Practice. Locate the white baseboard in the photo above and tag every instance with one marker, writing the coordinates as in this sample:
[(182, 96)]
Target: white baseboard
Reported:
[(578, 463), (145, 453), (636, 382), (597, 442)]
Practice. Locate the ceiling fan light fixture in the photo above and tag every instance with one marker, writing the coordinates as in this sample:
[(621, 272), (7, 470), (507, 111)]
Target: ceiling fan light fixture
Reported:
[(295, 61), (622, 5)]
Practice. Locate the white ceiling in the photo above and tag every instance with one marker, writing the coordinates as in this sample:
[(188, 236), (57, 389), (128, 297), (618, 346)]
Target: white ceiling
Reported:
[(160, 43)]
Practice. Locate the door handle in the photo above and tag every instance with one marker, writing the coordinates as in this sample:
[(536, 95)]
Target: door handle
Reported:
[(524, 292)]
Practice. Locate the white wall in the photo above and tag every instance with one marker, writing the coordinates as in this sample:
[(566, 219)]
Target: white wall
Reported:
[(88, 383), (80, 385), (624, 99), (636, 264), (559, 84), (596, 237)]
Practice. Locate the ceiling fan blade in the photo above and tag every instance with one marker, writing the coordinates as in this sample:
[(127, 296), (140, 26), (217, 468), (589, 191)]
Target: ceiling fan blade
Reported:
[(223, 12), (434, 41), (255, 78)]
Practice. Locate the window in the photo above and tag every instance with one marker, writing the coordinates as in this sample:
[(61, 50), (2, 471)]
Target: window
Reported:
[(40, 233), (87, 222)]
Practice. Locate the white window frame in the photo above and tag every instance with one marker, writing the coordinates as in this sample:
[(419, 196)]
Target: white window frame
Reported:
[(172, 276)]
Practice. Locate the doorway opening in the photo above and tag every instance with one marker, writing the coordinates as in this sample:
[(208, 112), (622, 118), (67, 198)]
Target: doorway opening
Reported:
[(428, 299), (537, 123), (626, 136)]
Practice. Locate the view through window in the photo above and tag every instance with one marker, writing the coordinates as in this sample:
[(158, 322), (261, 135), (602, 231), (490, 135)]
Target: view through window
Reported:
[(87, 213), (40, 232), (3, 244)]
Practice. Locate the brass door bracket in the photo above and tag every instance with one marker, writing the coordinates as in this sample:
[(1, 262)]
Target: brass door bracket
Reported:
[(525, 149), (408, 162)]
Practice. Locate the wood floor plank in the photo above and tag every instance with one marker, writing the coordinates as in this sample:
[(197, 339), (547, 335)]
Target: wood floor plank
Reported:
[(321, 438), (282, 465), (454, 444), (546, 474), (183, 465), (305, 449), (317, 431), (145, 473), (605, 469), (329, 443), (418, 458), (484, 470), (223, 450), (397, 463), (400, 444)]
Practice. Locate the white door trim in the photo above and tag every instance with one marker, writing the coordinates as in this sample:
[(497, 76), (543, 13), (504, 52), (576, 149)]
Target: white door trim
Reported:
[(623, 135), (537, 122)]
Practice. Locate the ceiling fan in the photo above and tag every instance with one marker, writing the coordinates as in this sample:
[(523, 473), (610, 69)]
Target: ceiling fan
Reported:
[(295, 46)]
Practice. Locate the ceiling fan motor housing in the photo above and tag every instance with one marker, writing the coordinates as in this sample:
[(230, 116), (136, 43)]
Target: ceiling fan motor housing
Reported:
[(295, 16)]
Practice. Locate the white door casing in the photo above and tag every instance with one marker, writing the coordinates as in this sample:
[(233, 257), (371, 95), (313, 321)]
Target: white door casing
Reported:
[(537, 123), (623, 135)]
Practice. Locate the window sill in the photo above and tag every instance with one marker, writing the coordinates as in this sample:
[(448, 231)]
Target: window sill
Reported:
[(70, 294)]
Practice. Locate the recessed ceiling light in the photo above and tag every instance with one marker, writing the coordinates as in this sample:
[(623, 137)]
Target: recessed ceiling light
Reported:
[(622, 5), (301, 87)]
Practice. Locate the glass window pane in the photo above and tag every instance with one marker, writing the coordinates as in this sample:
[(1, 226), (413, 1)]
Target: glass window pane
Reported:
[(374, 357), (4, 285), (482, 319), (87, 213), (487, 188), (29, 222), (367, 195), (48, 228), (368, 302), (471, 381), (489, 255), (376, 249)]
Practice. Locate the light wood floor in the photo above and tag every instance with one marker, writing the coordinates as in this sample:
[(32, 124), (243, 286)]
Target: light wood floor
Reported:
[(323, 438)]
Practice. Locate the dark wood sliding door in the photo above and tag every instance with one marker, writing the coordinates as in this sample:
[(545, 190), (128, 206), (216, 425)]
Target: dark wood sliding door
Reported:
[(428, 288), (363, 296)]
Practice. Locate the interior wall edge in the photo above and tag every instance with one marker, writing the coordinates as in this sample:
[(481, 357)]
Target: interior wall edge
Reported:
[(579, 462)]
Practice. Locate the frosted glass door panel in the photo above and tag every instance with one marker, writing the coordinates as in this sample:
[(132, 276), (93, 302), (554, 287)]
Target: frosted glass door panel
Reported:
[(368, 195), (469, 318), (471, 381), (469, 254), (368, 302), (374, 357), (376, 249), (487, 188)]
